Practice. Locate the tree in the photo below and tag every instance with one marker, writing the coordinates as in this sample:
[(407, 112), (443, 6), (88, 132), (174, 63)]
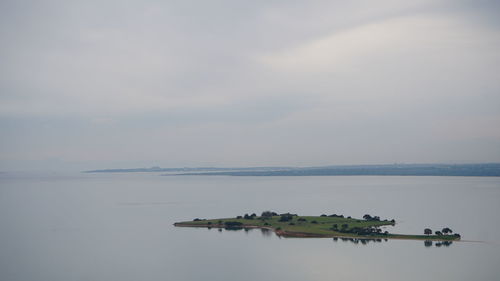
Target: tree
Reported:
[(438, 232), (447, 230), (268, 214), (367, 217), (286, 217), (427, 231)]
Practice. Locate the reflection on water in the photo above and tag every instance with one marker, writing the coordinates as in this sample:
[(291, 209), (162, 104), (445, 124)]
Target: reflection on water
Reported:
[(365, 241), (264, 231), (438, 244), (358, 241), (361, 241), (120, 227)]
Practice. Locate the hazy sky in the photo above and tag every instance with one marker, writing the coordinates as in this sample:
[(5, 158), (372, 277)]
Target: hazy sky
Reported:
[(96, 84)]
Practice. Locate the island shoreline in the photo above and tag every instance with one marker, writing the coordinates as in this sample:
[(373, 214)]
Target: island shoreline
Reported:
[(292, 234)]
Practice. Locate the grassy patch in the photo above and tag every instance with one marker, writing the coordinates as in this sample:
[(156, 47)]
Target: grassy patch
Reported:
[(314, 226)]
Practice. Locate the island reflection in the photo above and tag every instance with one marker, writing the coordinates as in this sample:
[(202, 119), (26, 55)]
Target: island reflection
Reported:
[(358, 241)]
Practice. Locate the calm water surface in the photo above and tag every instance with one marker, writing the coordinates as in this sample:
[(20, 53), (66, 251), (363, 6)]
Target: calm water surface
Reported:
[(119, 227)]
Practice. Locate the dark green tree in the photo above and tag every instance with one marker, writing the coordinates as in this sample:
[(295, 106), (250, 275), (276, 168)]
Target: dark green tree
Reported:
[(268, 214), (447, 230)]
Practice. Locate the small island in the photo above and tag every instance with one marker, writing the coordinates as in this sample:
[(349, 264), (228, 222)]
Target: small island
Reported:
[(293, 225)]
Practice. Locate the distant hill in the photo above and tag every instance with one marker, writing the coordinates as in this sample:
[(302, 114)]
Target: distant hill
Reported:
[(465, 170)]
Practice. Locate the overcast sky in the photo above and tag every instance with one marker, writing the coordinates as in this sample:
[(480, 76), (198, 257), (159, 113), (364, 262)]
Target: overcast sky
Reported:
[(109, 84)]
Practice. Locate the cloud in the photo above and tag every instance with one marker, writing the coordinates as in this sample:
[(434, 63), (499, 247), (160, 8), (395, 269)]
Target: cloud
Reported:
[(435, 38), (404, 62), (255, 83)]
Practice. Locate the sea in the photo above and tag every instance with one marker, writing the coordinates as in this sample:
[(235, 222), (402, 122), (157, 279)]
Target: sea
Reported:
[(119, 226)]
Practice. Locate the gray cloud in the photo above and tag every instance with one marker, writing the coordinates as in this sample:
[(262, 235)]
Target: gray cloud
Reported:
[(116, 83)]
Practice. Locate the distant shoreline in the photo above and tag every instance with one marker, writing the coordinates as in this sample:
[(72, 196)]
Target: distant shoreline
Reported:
[(458, 170)]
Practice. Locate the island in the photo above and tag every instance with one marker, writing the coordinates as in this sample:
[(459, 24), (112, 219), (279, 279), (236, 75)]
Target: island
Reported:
[(333, 226)]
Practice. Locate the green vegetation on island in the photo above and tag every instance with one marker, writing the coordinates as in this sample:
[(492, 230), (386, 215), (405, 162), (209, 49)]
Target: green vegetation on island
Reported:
[(292, 225)]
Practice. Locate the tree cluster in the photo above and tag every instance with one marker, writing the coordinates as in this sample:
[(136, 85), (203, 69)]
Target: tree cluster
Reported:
[(336, 216), (359, 230), (444, 231), (249, 217), (286, 217), (268, 214), (370, 218)]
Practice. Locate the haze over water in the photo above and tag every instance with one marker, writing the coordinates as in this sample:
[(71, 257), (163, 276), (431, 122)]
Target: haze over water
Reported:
[(119, 227)]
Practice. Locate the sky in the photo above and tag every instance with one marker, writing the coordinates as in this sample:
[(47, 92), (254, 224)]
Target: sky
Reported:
[(115, 84)]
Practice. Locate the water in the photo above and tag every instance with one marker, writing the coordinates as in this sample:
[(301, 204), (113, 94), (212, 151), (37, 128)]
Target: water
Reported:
[(119, 227)]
